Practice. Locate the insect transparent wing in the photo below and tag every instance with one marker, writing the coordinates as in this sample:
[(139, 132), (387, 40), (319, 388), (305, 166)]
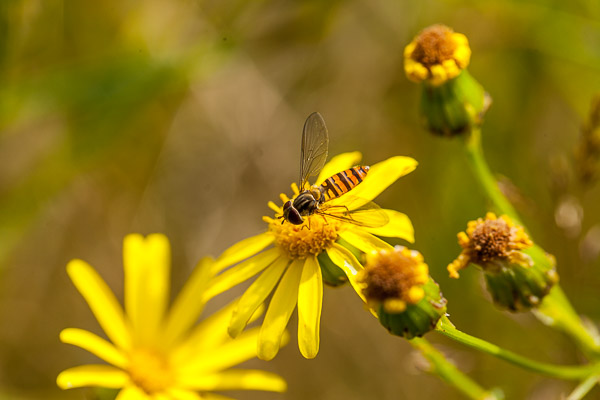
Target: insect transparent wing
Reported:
[(315, 142), (368, 214)]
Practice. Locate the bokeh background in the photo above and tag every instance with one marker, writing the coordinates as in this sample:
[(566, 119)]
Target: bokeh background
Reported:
[(184, 117)]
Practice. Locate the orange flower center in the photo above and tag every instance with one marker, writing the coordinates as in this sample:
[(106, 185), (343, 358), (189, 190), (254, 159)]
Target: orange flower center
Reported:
[(150, 371)]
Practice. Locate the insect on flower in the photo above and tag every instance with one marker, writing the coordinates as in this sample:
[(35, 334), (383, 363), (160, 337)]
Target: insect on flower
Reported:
[(313, 199)]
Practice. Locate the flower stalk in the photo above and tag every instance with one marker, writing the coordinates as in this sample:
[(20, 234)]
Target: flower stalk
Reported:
[(448, 372), (446, 328)]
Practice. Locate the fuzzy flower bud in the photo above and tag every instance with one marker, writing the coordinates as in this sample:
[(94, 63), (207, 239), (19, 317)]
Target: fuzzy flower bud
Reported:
[(518, 274), (397, 285), (452, 100)]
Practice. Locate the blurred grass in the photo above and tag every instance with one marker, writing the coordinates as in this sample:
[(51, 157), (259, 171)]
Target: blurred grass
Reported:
[(185, 118)]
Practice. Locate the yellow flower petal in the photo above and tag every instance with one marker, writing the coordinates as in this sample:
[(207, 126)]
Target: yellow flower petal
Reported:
[(242, 250), (280, 309), (132, 392), (255, 295), (102, 302), (362, 240), (343, 258), (380, 176), (92, 375), (310, 301), (398, 226), (236, 379), (147, 264), (211, 333), (214, 396), (95, 345), (227, 355), (189, 303), (337, 164), (184, 394), (241, 272)]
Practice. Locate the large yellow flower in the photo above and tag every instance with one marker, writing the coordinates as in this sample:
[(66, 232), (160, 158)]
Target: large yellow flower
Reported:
[(156, 354), (293, 258)]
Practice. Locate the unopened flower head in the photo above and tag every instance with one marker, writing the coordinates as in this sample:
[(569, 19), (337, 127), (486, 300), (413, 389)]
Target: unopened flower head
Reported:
[(397, 286), (452, 101), (154, 353), (295, 260), (436, 55), (518, 273)]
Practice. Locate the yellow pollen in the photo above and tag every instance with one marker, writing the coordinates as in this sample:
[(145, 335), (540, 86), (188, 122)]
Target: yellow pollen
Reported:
[(395, 278), (300, 241), (150, 371)]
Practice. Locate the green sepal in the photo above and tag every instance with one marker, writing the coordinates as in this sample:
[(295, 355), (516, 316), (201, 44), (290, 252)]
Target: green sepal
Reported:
[(331, 273), (518, 287), (417, 319), (454, 106)]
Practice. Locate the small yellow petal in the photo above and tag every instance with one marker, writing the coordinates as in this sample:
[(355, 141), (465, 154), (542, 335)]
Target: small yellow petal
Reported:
[(380, 176), (337, 164), (226, 355), (255, 295), (399, 226), (415, 71), (310, 302), (242, 250), (408, 50), (280, 309), (147, 265), (438, 74), (236, 379), (363, 240), (95, 345), (184, 394), (132, 392), (189, 303), (393, 306), (92, 375), (241, 273), (101, 301), (343, 258)]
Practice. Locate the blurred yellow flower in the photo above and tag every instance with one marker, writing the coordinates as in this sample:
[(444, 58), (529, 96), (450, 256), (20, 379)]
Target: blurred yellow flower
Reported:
[(436, 55), (301, 254), (159, 354)]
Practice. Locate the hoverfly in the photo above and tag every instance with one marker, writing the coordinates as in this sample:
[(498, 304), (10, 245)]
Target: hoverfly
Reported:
[(313, 200)]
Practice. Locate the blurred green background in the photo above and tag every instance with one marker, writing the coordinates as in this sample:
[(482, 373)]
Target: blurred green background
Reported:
[(184, 117)]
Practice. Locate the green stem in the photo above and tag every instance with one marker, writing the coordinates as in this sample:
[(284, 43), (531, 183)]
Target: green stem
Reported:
[(584, 388), (441, 367), (474, 154), (446, 327)]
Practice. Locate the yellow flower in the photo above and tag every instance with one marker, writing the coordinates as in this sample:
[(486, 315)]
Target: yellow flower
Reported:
[(490, 241), (292, 258), (156, 354), (518, 274), (394, 279), (398, 289), (436, 55)]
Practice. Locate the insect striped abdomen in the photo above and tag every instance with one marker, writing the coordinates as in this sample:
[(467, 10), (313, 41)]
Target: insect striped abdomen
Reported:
[(343, 182)]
